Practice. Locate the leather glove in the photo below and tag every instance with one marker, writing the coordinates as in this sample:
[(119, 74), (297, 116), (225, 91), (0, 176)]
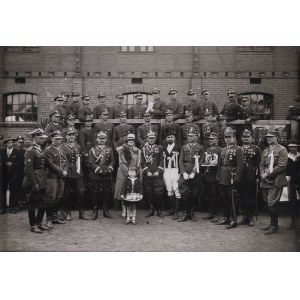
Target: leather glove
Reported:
[(36, 188), (149, 174), (192, 175), (156, 174), (185, 176)]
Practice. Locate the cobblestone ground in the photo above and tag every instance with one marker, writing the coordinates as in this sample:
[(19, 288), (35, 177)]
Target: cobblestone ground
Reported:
[(157, 235)]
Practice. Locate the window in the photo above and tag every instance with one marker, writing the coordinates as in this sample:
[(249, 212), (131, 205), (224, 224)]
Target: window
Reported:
[(255, 49), (20, 107), (262, 103), (22, 49), (129, 99), (137, 49)]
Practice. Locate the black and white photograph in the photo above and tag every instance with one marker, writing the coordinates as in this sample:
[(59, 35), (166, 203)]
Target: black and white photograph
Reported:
[(189, 148)]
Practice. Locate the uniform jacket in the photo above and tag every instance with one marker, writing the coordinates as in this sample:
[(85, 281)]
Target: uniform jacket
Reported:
[(63, 111), (171, 158), (136, 111), (51, 127), (222, 143), (249, 112), (208, 128), (73, 109), (101, 158), (187, 159), (84, 111), (212, 155), (277, 177), (231, 111), (129, 188), (152, 159), (106, 127), (177, 108), (142, 132), (231, 160), (159, 109), (120, 132), (185, 131), (56, 162), (22, 160), (196, 108), (85, 140), (115, 110), (210, 106), (252, 157), (73, 155), (11, 174), (162, 134), (34, 167), (98, 110), (64, 133), (293, 113)]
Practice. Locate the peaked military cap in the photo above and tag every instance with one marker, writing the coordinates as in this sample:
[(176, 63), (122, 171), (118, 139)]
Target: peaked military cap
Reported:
[(71, 117), (102, 135), (191, 92), (75, 94), (70, 131), (104, 112), (120, 96), (101, 95), (85, 97), (58, 98), (246, 133), (146, 114), (205, 92), (139, 96), (122, 114), (38, 132), (65, 94), (188, 113), (56, 134), (293, 143), (272, 132), (20, 139), (88, 118), (193, 131), (172, 91), (231, 92), (54, 112), (229, 132), (169, 112), (151, 134), (155, 91), (130, 136), (244, 98), (9, 139), (213, 135)]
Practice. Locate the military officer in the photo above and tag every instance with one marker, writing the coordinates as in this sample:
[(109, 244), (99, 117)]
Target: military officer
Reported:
[(153, 184), (54, 124), (100, 107), (19, 179), (121, 131), (208, 105), (84, 110), (207, 128), (116, 109), (105, 127), (222, 126), (35, 181), (293, 113), (144, 129), (137, 110), (190, 182), (175, 105), (73, 107), (194, 106), (272, 172), (229, 175), (171, 172), (252, 157), (11, 166), (101, 161), (210, 166), (65, 105), (56, 163), (70, 120), (231, 109), (159, 106), (74, 178), (59, 101), (170, 123), (185, 129)]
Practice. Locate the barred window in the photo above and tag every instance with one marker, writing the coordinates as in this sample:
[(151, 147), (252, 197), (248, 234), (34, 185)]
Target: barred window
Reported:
[(137, 49), (20, 107), (263, 104)]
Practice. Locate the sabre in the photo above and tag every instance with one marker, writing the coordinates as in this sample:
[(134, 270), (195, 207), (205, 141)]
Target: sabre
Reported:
[(233, 190)]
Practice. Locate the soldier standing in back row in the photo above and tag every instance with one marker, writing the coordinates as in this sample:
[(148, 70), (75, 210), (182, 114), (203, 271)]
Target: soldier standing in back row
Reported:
[(84, 110), (105, 127), (207, 128), (116, 109), (70, 120), (175, 105), (144, 129), (185, 129), (208, 105), (73, 107), (54, 124), (159, 107), (97, 111), (252, 157), (194, 106), (137, 110), (229, 175), (101, 161), (190, 182)]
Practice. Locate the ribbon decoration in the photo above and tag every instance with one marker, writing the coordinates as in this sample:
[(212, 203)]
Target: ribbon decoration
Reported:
[(196, 156), (271, 163), (78, 164)]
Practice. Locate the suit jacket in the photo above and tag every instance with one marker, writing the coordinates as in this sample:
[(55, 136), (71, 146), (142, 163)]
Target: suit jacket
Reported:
[(249, 112), (252, 157), (73, 109), (15, 172), (276, 178)]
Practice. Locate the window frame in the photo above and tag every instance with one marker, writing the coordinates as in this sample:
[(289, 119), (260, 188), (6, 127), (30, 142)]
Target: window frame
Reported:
[(137, 49), (19, 110)]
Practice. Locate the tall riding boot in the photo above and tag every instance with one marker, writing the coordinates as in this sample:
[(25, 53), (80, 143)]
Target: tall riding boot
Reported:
[(293, 223), (31, 216), (184, 218), (175, 216), (95, 213), (106, 213), (160, 213), (40, 215), (274, 220), (82, 215), (192, 216), (151, 212), (171, 202)]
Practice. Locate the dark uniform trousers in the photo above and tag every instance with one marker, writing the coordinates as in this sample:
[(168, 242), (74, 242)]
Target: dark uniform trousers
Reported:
[(101, 188), (77, 185), (55, 192), (226, 193), (212, 190), (153, 189)]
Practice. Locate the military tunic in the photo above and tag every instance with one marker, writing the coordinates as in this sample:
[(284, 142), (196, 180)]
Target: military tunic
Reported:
[(185, 129), (207, 129), (73, 109), (152, 161), (98, 110), (231, 111), (120, 133), (64, 133), (142, 132), (176, 107), (51, 127), (196, 109), (115, 110), (210, 106), (136, 111), (105, 127), (159, 109), (83, 112)]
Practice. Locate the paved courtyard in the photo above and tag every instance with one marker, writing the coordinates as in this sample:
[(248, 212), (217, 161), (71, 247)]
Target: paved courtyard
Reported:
[(153, 234)]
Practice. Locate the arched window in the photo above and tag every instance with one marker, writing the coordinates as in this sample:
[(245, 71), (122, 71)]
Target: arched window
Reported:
[(20, 107), (130, 98), (263, 103)]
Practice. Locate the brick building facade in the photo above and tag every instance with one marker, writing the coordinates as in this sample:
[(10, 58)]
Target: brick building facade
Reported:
[(268, 73)]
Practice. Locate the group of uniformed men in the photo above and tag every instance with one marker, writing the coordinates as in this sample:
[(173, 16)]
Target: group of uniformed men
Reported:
[(181, 157)]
